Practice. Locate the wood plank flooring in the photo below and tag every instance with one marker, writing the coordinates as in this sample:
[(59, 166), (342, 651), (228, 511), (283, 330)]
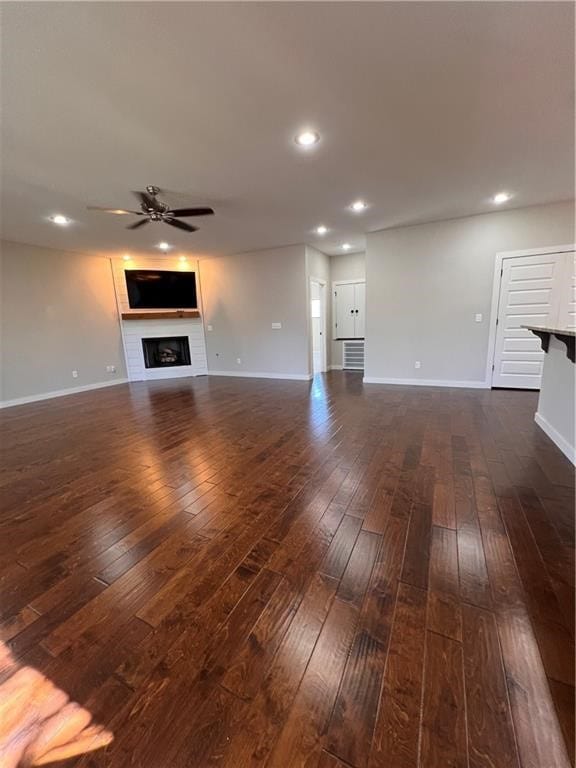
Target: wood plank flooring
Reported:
[(236, 573)]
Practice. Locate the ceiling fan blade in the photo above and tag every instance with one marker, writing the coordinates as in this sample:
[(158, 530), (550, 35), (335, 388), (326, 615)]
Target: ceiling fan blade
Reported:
[(180, 225), (117, 211), (191, 212), (138, 224), (147, 200)]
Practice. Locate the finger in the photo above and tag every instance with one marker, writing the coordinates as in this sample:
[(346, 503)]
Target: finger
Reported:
[(49, 699), (61, 728), (91, 739), (17, 697)]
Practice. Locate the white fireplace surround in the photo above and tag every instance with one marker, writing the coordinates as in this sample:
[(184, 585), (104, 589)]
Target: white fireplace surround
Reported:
[(133, 331)]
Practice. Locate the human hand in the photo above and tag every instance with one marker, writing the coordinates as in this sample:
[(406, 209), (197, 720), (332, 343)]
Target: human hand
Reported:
[(38, 723)]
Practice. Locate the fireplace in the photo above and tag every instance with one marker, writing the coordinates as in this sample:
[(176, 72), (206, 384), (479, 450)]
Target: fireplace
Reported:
[(166, 352)]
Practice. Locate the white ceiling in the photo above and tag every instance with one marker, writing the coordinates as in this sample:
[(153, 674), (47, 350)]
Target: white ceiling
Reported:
[(425, 110)]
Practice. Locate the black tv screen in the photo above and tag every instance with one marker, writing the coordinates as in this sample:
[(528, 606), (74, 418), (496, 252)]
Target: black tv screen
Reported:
[(155, 289)]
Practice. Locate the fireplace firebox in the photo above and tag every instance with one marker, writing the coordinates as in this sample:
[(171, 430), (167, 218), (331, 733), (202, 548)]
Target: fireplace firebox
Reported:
[(166, 352)]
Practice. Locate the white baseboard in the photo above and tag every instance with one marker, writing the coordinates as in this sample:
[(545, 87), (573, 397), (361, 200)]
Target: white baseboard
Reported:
[(335, 368), (260, 375), (568, 450), (60, 393), (427, 382)]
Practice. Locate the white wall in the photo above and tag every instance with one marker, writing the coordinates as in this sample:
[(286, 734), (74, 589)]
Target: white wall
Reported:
[(58, 314), (345, 266), (555, 413), (425, 283), (242, 296)]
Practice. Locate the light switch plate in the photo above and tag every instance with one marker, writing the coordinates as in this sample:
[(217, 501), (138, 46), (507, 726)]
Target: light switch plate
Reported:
[(209, 328), (478, 317), (276, 326)]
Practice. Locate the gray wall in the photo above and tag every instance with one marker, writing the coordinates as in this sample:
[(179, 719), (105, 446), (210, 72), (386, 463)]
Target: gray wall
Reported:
[(58, 313), (345, 266), (242, 296), (425, 283)]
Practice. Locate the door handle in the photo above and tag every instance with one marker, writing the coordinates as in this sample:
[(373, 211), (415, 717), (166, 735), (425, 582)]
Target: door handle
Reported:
[(356, 311), (351, 311)]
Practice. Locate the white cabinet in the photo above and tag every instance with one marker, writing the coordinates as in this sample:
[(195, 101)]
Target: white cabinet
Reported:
[(349, 309)]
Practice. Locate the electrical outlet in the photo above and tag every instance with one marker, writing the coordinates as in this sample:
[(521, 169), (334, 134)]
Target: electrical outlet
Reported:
[(478, 317), (276, 326), (110, 369), (74, 374), (417, 364), (239, 361)]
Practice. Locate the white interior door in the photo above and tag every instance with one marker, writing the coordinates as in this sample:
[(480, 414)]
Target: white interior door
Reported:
[(530, 292), (567, 317), (317, 326), (345, 315), (360, 310)]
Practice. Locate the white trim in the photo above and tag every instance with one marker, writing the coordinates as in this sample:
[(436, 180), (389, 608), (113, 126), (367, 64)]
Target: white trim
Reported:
[(347, 282), (60, 393), (261, 375), (336, 368), (427, 382), (496, 283), (568, 450)]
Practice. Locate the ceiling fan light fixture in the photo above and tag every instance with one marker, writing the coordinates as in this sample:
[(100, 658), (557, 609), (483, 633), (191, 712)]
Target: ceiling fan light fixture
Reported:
[(152, 209), (163, 246)]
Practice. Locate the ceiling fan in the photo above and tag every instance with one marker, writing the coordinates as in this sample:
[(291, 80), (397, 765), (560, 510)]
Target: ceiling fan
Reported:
[(155, 210)]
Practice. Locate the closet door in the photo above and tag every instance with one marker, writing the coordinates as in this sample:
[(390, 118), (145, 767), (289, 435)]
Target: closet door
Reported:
[(345, 314), (359, 310), (530, 292), (567, 317)]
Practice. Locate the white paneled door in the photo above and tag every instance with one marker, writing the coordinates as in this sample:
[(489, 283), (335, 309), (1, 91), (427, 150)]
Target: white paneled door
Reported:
[(344, 314), (349, 310), (568, 295), (532, 291)]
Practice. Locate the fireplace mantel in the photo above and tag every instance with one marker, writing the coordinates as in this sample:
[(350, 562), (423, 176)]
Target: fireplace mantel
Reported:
[(161, 315)]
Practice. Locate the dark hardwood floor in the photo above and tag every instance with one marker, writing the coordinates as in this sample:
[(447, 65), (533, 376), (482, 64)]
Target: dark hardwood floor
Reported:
[(235, 572)]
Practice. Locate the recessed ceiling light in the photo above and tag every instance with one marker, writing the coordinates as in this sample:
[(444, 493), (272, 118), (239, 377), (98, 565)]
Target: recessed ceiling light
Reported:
[(164, 246), (346, 246), (321, 230), (307, 138), (501, 197), (58, 218), (126, 257), (183, 259), (358, 205)]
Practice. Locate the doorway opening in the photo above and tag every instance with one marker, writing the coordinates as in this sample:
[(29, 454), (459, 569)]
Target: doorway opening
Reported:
[(317, 311)]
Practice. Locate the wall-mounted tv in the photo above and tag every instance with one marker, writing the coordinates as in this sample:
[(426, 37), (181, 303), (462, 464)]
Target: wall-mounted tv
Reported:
[(159, 289)]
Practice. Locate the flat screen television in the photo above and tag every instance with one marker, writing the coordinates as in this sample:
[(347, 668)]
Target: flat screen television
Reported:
[(159, 289)]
